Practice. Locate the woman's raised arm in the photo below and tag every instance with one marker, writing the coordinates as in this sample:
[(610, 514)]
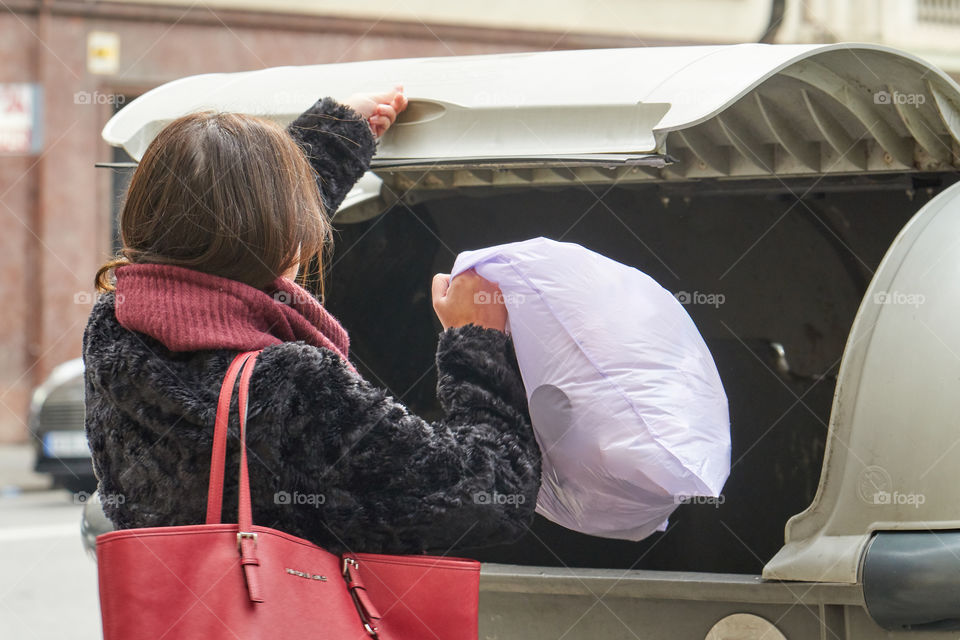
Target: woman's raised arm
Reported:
[(339, 139)]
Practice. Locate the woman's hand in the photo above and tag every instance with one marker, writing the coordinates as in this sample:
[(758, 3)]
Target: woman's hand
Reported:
[(468, 298), (379, 109)]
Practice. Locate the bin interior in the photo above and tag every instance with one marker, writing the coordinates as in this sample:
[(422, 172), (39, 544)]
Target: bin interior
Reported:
[(764, 263)]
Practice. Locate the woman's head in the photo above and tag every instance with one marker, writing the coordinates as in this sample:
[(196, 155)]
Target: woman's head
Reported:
[(224, 193)]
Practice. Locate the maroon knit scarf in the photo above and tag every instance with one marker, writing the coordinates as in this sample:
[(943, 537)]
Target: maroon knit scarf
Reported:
[(189, 310)]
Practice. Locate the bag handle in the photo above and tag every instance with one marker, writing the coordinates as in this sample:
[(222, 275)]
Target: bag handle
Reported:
[(219, 454), (246, 538), (244, 509)]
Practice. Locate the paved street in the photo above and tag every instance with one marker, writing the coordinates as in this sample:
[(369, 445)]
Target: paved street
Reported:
[(48, 586)]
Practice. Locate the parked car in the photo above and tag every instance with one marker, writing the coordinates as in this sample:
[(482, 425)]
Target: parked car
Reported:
[(56, 419), (800, 200)]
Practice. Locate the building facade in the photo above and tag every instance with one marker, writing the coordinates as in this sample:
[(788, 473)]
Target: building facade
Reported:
[(67, 65), (78, 62)]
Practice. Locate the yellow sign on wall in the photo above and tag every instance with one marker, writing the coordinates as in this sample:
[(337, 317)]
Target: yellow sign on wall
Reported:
[(103, 52)]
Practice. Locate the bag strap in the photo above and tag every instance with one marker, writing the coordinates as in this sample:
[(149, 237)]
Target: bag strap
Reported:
[(246, 538), (219, 454), (244, 509)]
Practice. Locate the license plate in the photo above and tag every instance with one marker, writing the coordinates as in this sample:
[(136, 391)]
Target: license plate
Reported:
[(66, 444)]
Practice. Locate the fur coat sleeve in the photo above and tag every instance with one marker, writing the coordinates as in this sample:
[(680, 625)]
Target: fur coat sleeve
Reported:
[(338, 143), (393, 482)]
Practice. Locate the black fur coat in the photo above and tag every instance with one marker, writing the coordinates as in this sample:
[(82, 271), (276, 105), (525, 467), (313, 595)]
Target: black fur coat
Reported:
[(333, 459)]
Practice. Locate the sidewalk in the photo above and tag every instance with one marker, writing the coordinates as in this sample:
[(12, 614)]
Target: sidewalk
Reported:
[(16, 470)]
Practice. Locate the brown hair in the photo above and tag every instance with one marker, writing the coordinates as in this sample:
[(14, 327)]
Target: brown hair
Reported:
[(227, 194)]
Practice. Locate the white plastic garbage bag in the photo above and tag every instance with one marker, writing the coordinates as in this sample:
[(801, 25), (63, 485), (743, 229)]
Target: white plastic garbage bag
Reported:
[(625, 399)]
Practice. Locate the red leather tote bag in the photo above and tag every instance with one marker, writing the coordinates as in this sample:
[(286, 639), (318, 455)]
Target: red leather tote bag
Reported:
[(219, 580)]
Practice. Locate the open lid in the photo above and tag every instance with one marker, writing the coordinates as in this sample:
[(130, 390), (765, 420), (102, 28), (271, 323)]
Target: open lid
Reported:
[(735, 110), (892, 460)]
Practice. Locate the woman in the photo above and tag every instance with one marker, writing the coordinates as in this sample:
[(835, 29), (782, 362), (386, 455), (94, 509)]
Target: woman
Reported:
[(222, 213)]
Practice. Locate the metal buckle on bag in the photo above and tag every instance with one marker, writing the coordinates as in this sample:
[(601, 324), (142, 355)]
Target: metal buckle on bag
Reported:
[(245, 534), (367, 625)]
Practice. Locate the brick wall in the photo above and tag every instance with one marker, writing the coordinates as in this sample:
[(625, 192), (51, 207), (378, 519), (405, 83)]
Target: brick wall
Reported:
[(56, 207)]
